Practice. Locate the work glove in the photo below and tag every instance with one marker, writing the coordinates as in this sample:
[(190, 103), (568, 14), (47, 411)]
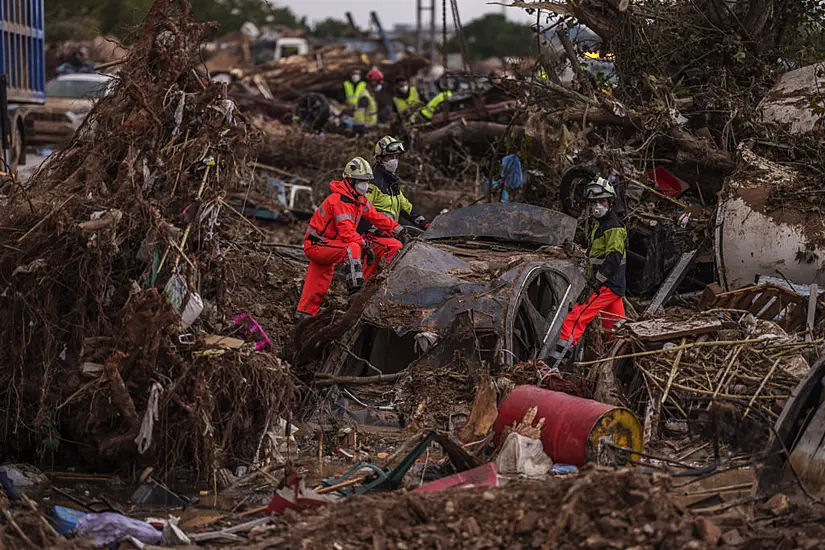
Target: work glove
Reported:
[(421, 223), (379, 233), (404, 237), (369, 255)]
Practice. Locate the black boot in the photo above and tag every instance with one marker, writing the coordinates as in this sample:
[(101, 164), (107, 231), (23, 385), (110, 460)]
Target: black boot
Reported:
[(354, 274)]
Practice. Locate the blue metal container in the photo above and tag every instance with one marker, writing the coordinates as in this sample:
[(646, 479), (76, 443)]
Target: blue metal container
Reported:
[(22, 46)]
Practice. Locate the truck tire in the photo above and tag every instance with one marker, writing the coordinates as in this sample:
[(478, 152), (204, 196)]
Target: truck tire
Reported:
[(571, 189), (17, 153)]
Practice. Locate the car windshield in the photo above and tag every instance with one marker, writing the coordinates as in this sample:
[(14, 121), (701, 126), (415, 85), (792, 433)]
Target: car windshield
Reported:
[(75, 88)]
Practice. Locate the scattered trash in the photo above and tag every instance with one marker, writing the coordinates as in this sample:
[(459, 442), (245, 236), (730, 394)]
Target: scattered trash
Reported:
[(296, 496), (574, 427), (483, 476), (523, 456), (110, 528), (154, 493), (65, 519)]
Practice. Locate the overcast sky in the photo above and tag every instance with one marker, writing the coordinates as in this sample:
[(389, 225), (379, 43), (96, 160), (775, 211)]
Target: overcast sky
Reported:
[(394, 11)]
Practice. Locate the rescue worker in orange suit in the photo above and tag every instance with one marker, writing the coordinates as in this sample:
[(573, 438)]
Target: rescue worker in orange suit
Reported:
[(331, 237), (608, 263)]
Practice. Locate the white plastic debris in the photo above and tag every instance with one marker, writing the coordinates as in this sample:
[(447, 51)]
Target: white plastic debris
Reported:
[(523, 456)]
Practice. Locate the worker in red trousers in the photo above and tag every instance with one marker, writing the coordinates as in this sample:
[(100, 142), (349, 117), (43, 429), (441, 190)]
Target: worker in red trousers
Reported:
[(331, 237), (608, 263)]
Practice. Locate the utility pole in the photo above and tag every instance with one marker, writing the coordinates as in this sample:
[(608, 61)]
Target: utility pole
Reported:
[(419, 35)]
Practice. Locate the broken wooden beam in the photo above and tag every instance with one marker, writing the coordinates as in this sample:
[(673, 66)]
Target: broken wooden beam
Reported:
[(677, 274)]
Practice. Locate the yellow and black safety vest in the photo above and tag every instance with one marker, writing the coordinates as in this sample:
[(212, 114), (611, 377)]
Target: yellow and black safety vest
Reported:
[(409, 103)]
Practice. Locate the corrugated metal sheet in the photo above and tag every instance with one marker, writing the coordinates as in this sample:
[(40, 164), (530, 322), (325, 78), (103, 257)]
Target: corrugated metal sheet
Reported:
[(22, 45)]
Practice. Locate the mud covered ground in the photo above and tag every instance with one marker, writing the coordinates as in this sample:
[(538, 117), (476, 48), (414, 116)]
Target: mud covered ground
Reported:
[(597, 510)]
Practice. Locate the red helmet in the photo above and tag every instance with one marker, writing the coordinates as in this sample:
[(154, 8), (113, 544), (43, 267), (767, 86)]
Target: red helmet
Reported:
[(375, 75)]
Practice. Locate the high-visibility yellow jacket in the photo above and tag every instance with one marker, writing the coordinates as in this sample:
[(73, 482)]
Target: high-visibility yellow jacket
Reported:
[(406, 104), (353, 91), (386, 196), (432, 106), (367, 110), (608, 254)]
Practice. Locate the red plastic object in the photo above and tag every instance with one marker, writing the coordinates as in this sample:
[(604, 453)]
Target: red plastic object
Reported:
[(666, 182), (294, 495), (569, 421), (477, 477)]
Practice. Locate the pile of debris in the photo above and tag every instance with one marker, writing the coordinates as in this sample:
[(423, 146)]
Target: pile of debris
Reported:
[(684, 363), (113, 254), (594, 510), (324, 70)]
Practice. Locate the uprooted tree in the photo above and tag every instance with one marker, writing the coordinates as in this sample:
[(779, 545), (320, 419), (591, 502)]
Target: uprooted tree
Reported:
[(93, 370)]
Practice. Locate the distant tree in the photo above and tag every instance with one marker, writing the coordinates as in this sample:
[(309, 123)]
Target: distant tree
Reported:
[(331, 28), (495, 36), (115, 17)]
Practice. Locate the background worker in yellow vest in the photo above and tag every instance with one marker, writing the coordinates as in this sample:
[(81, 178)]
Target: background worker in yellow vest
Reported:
[(353, 88), (406, 98), (366, 112), (428, 111)]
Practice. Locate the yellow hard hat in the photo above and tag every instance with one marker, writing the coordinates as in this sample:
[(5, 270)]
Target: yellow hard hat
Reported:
[(358, 169), (388, 145)]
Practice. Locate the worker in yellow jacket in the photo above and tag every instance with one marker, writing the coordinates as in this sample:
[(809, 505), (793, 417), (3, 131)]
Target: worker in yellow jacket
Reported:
[(366, 111), (385, 189), (406, 98), (427, 112), (353, 88)]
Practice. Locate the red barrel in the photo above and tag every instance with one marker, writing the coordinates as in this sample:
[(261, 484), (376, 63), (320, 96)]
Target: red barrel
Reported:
[(572, 425)]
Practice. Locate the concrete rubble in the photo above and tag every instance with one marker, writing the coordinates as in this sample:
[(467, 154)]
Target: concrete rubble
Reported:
[(151, 268)]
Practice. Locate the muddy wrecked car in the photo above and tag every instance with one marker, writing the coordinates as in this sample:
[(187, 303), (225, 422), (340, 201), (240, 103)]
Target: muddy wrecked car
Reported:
[(505, 266)]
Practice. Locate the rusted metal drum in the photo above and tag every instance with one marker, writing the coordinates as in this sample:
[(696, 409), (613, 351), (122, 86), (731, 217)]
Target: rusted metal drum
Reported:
[(573, 426)]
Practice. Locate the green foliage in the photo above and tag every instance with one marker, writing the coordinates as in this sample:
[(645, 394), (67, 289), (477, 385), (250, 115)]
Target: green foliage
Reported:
[(83, 19), (331, 28), (495, 36)]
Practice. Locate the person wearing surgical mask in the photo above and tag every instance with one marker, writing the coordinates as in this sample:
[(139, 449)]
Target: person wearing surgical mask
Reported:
[(607, 280), (406, 98), (385, 190), (332, 238), (353, 89)]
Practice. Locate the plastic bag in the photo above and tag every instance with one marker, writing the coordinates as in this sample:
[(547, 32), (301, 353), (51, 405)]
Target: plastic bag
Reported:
[(523, 456), (109, 528)]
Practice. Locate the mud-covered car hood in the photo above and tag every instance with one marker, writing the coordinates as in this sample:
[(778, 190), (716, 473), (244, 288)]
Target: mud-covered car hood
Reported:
[(448, 271), (431, 284)]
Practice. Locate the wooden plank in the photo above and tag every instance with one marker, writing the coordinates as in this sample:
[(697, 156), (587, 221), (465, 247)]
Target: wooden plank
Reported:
[(710, 296), (745, 301), (657, 330), (773, 310), (223, 342), (760, 303), (671, 283)]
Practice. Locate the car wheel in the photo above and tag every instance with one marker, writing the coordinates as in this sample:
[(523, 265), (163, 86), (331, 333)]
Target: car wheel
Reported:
[(530, 323)]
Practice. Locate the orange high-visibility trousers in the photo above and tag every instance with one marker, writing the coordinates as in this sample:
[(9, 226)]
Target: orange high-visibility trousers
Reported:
[(323, 256), (606, 304), (382, 247)]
